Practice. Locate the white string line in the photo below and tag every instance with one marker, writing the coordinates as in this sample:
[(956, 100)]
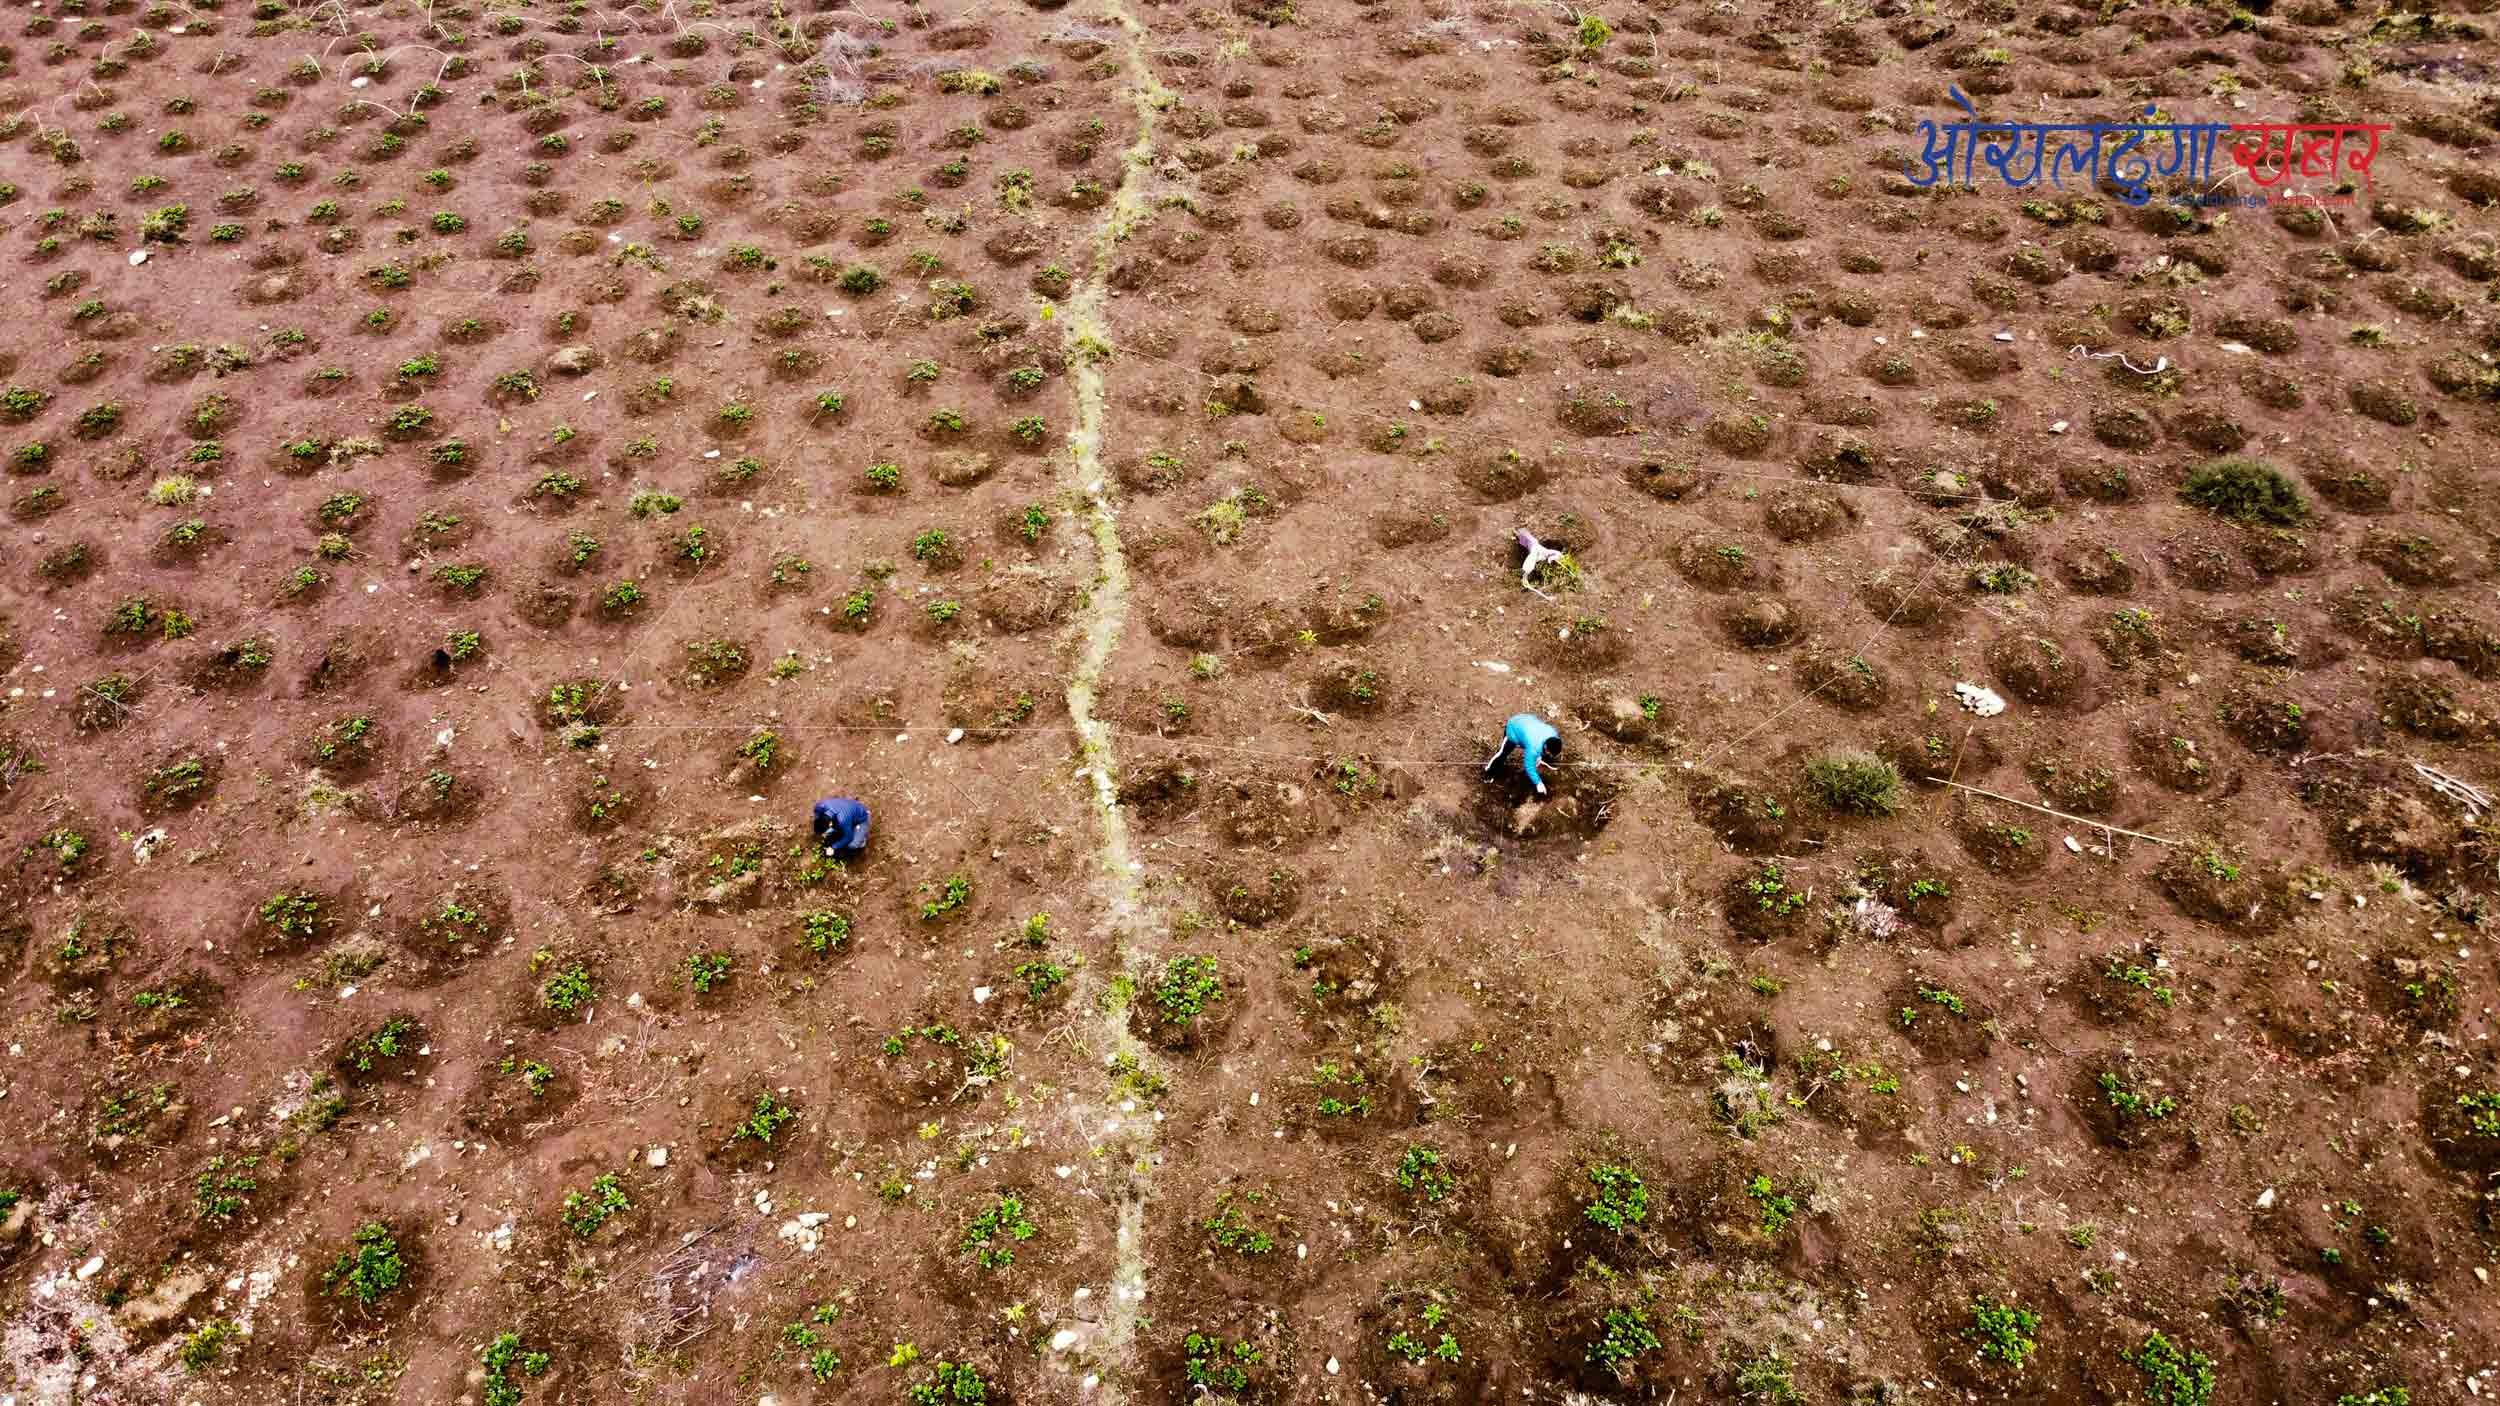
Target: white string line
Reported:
[(1186, 743), (2160, 364), (1588, 454)]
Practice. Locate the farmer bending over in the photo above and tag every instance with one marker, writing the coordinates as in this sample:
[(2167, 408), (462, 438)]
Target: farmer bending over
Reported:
[(1536, 742), (841, 826)]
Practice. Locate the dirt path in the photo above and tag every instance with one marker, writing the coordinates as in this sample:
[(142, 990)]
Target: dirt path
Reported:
[(1099, 630)]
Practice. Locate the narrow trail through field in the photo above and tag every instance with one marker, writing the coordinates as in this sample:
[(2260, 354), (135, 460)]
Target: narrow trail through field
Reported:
[(1099, 628)]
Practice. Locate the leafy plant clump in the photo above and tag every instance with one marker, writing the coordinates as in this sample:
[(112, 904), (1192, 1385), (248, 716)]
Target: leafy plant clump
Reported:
[(1188, 986), (569, 990), (2246, 490), (499, 1359), (1622, 1335), (585, 1211), (707, 971), (992, 1237), (394, 1038), (203, 1347), (766, 1123), (2173, 1375), (1854, 783), (1778, 1207), (2003, 1332), (2130, 1101), (824, 930), (954, 894), (292, 914), (1208, 1363), (1622, 1199), (950, 1384), (1424, 1171), (370, 1269)]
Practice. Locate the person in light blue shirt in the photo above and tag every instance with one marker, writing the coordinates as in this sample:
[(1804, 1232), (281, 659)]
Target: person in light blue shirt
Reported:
[(841, 826), (1537, 742)]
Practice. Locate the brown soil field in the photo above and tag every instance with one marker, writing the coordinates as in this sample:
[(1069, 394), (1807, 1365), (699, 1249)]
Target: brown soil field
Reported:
[(477, 472)]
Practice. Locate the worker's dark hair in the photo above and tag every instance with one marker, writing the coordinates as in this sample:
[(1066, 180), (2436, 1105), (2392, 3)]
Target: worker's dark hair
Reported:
[(1553, 746)]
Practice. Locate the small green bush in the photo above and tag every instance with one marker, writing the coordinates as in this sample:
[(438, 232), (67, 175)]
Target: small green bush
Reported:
[(498, 1358), (1622, 1199), (824, 931), (2245, 490), (1187, 986), (2173, 1375), (370, 1269), (1623, 1335), (2003, 1332), (992, 1236), (1423, 1171), (1855, 783), (586, 1211)]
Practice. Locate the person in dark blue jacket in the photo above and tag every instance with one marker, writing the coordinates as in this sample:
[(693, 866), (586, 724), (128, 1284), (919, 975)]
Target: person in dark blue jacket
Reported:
[(1536, 741), (841, 826)]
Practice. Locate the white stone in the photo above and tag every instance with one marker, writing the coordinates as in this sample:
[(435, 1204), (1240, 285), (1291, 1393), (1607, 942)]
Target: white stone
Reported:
[(1332, 1366), (1981, 701), (1062, 1340), (980, 995), (656, 1157), (2265, 1199), (91, 1268)]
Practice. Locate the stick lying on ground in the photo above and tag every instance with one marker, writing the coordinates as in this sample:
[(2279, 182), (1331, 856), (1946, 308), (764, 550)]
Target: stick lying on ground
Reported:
[(2463, 793), (2044, 810)]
